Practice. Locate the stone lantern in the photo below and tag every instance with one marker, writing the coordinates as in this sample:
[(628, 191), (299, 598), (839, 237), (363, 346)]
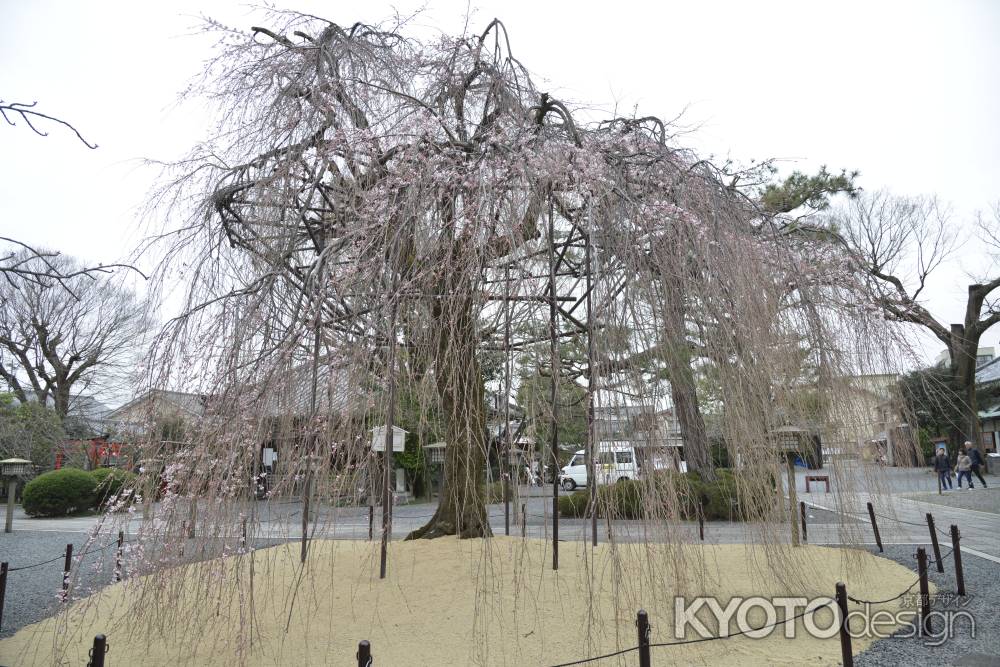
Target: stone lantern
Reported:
[(13, 470)]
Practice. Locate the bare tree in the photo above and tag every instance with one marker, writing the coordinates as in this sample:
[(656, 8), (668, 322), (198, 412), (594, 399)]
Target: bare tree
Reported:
[(897, 243), (54, 342)]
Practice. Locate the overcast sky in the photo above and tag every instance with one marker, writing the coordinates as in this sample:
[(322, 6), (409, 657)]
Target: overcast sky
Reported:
[(906, 92)]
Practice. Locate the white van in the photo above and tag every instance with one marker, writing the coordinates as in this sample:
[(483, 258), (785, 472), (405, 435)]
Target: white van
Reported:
[(615, 461)]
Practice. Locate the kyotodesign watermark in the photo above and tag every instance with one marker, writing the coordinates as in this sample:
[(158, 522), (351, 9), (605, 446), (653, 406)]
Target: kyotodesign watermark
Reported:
[(759, 617)]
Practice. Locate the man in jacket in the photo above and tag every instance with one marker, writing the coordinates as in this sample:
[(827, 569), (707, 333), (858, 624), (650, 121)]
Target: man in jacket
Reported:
[(977, 460), (942, 466)]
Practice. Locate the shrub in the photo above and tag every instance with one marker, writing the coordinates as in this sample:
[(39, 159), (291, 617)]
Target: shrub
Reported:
[(110, 483), (574, 505), (59, 492)]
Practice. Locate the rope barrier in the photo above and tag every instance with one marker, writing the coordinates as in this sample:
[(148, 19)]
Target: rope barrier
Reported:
[(859, 601)]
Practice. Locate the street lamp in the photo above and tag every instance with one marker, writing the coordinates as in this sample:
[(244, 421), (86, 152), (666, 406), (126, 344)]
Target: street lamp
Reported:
[(13, 469)]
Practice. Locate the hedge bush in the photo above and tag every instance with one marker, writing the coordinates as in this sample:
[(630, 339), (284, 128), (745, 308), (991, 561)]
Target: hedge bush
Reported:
[(59, 492), (110, 483), (716, 500)]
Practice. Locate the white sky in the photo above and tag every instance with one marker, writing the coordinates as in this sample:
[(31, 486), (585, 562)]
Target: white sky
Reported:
[(906, 92)]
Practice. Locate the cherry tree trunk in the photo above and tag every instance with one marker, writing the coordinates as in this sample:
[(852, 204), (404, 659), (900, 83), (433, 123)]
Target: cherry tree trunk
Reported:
[(462, 506)]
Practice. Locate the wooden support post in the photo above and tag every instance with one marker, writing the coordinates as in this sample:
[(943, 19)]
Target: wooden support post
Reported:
[(846, 654), (642, 623), (934, 543), (878, 538), (67, 566), (371, 522), (98, 651), (364, 653), (3, 589), (925, 595), (802, 516), (957, 557)]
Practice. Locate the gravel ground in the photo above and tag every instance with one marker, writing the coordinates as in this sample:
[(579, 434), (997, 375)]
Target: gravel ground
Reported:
[(982, 583), (32, 594), (979, 499)]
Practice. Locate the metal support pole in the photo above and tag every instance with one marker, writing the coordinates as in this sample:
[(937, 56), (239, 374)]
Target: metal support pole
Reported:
[(364, 653), (390, 419), (524, 520), (846, 654), (67, 566), (589, 453), (554, 397), (878, 538), (802, 516), (505, 466), (701, 527), (925, 596), (957, 555), (934, 543), (642, 623), (371, 521), (98, 651)]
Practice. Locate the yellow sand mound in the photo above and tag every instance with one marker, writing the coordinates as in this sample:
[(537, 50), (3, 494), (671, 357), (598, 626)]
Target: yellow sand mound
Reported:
[(450, 602)]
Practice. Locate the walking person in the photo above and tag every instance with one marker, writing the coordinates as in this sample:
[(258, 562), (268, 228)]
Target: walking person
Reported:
[(942, 466), (977, 460), (964, 467)]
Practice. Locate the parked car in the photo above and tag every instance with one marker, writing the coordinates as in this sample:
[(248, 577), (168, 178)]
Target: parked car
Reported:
[(616, 461)]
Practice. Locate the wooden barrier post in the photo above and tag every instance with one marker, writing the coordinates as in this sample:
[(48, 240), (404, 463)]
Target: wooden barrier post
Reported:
[(642, 622), (846, 654), (934, 543), (67, 566), (802, 516), (371, 521), (364, 653), (878, 538), (3, 589), (701, 527), (118, 555), (957, 553), (925, 595), (98, 651)]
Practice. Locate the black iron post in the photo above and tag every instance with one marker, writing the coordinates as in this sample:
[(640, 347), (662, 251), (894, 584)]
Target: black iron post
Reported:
[(98, 651), (802, 516), (67, 566), (846, 654), (957, 555), (934, 543), (642, 623), (364, 653), (925, 595), (878, 538), (3, 589)]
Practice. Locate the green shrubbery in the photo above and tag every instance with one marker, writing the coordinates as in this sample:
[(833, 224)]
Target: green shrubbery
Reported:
[(110, 483), (60, 492), (687, 492)]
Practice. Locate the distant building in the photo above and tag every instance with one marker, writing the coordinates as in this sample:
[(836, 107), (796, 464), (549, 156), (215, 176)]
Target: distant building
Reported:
[(984, 355)]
